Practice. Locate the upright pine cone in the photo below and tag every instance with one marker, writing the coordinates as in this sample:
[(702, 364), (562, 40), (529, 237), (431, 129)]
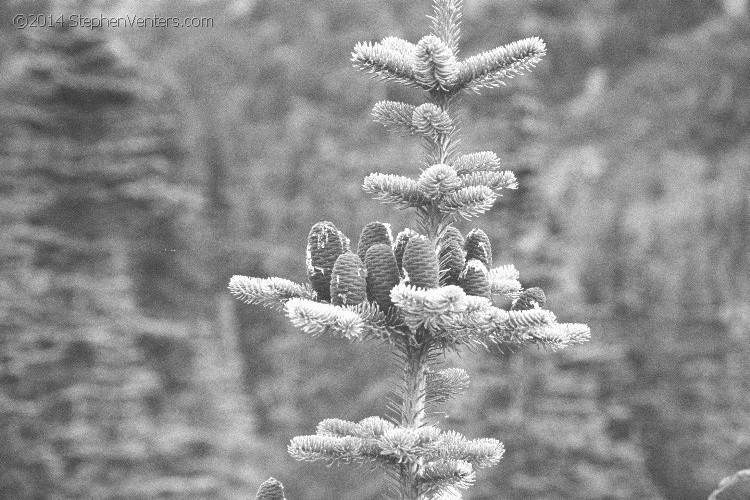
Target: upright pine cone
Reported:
[(348, 280), (271, 489), (452, 233), (382, 275), (420, 263), (451, 256), (478, 247), (529, 298), (324, 245), (452, 262), (372, 234), (400, 246), (474, 280)]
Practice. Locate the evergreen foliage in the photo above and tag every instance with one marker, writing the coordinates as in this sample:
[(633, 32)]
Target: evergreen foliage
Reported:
[(98, 400), (426, 319), (626, 82), (640, 111)]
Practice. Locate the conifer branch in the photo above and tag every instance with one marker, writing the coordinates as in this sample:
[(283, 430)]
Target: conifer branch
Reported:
[(553, 335), (336, 427), (484, 161), (394, 116), (374, 439), (480, 453), (407, 49), (472, 328), (390, 62), (445, 384), (363, 321), (435, 65), (401, 444), (373, 427), (431, 122), (506, 272), (447, 474), (560, 335), (268, 292), (427, 308), (438, 180), (446, 22), (530, 318), (483, 452), (395, 189), (490, 69), (469, 202), (330, 449), (493, 180), (316, 318), (477, 304), (508, 289), (369, 430), (376, 325), (504, 281)]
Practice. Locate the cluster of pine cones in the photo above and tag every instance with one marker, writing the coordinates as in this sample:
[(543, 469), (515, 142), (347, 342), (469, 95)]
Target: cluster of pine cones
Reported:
[(342, 277)]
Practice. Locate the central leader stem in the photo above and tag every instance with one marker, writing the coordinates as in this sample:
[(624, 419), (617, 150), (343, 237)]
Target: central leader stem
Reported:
[(413, 413), (414, 401), (417, 352)]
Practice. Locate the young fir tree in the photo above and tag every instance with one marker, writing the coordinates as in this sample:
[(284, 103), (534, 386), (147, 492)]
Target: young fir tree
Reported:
[(429, 291)]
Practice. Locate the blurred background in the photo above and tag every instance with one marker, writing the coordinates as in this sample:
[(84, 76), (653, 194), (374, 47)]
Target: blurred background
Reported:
[(142, 167)]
